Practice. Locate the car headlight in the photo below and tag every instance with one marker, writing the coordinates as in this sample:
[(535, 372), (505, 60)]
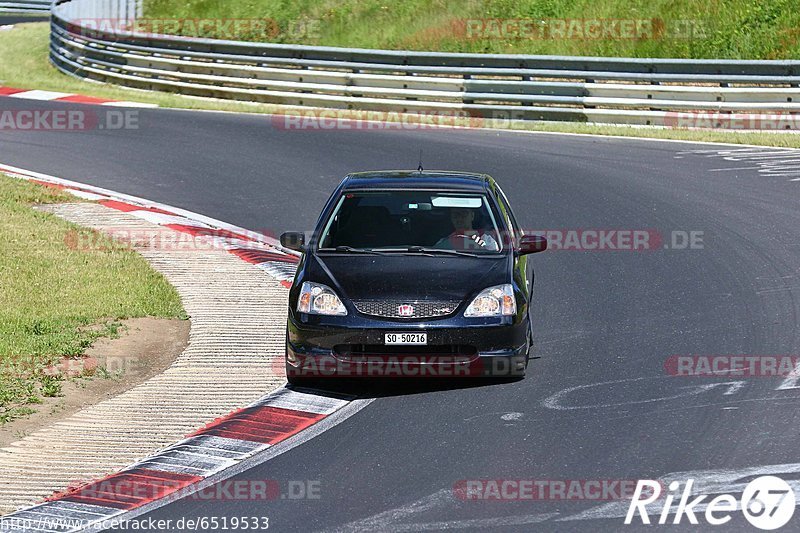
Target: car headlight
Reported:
[(494, 301), (318, 299)]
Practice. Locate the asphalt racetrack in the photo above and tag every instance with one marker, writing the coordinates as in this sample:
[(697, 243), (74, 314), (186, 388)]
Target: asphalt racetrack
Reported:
[(7, 18)]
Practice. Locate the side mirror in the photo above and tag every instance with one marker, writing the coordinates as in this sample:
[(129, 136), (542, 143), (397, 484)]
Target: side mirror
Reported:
[(531, 244), (294, 240)]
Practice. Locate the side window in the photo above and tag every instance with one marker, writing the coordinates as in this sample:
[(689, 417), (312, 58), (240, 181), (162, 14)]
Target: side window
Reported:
[(508, 214)]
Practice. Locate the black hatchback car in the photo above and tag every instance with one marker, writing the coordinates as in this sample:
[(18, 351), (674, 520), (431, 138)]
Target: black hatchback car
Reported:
[(411, 274)]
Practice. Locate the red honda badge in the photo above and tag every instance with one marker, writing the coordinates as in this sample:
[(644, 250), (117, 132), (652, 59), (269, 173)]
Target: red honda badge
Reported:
[(405, 310)]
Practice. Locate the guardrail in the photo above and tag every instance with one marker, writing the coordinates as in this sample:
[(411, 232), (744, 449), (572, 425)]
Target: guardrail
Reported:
[(29, 6), (586, 89)]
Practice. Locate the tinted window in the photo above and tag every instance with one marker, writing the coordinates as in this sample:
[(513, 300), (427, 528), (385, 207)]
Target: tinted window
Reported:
[(506, 208), (399, 219)]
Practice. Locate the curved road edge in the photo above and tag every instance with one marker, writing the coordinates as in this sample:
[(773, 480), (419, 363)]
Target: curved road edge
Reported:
[(203, 383)]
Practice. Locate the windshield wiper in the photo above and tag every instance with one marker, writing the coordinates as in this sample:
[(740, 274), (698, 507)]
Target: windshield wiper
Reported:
[(393, 251), (351, 250), (427, 250)]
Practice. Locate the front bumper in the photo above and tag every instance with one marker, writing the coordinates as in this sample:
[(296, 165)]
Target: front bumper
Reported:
[(331, 347)]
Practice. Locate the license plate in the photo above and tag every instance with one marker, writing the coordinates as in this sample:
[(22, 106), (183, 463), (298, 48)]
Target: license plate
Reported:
[(406, 338)]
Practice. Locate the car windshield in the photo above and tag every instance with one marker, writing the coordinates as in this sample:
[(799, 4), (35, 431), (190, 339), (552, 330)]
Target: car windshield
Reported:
[(412, 220)]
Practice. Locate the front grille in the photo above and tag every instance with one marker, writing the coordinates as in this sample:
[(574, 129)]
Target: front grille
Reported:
[(392, 309)]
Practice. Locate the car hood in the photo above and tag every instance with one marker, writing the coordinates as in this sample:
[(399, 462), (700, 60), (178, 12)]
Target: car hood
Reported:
[(409, 277)]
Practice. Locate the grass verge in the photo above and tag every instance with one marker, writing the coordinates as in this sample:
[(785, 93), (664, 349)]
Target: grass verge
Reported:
[(56, 299), (24, 64), (734, 29)]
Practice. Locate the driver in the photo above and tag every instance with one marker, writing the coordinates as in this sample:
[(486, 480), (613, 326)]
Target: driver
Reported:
[(463, 236)]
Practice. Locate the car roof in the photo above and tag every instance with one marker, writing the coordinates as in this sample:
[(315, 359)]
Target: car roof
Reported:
[(414, 179)]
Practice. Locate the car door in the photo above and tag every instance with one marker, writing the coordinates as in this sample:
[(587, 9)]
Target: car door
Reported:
[(522, 263)]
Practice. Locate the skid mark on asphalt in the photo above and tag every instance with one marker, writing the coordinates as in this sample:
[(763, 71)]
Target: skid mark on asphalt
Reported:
[(706, 482), (557, 400), (392, 519), (727, 392), (710, 482), (726, 405), (769, 162), (724, 395)]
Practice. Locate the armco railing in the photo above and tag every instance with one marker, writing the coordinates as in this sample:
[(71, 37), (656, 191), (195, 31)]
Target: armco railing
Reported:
[(586, 89), (29, 6)]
